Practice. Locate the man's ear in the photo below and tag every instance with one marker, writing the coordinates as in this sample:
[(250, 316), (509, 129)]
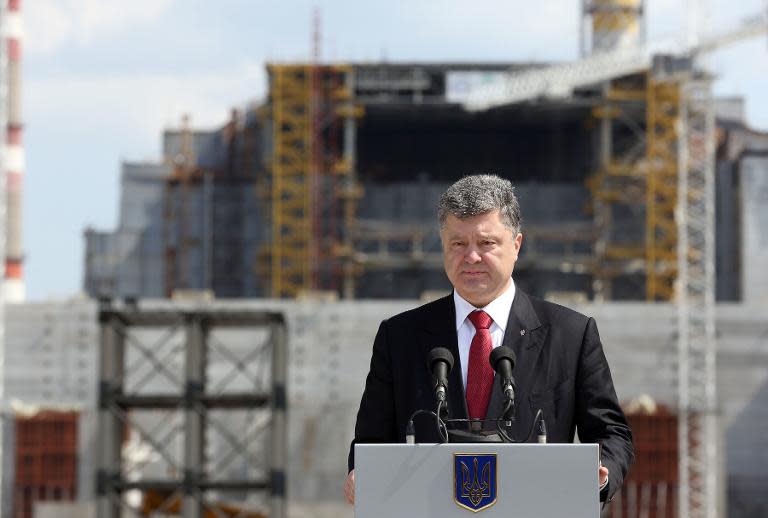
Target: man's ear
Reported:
[(518, 241)]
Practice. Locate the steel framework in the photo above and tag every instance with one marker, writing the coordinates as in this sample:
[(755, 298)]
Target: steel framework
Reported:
[(698, 426), (175, 395)]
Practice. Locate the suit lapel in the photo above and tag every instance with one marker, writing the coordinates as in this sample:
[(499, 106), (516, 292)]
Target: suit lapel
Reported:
[(524, 335), (440, 331)]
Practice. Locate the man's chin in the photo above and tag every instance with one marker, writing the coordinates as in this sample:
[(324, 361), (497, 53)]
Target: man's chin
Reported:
[(473, 293)]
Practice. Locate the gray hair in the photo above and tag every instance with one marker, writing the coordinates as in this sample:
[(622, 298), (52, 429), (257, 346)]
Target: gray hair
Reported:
[(480, 194)]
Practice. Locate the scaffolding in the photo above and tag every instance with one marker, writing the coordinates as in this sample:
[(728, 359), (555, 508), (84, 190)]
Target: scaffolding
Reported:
[(291, 179), (644, 179), (661, 168), (618, 184), (179, 233), (205, 205), (314, 191), (173, 383)]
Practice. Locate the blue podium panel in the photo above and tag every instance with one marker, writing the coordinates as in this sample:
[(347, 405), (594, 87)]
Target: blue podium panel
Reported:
[(491, 480)]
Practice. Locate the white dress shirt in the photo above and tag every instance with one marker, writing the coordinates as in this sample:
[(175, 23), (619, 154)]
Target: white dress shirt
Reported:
[(498, 310)]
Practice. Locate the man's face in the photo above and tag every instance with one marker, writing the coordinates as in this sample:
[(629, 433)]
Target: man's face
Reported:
[(479, 254)]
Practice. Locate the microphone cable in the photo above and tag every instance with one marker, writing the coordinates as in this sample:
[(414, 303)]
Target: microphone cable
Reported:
[(503, 433), (537, 419), (410, 428)]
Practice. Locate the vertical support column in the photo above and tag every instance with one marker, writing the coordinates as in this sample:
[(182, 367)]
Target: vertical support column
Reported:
[(194, 416), (208, 231), (111, 372), (278, 456), (350, 187)]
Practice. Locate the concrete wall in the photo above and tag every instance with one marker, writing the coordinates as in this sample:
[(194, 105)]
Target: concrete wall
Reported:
[(53, 345)]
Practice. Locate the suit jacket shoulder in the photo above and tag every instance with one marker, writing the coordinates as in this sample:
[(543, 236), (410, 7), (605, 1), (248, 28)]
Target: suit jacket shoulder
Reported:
[(549, 312), (424, 314)]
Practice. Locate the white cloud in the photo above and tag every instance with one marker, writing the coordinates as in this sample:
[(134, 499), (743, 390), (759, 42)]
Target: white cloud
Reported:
[(51, 24), (143, 104), (48, 26)]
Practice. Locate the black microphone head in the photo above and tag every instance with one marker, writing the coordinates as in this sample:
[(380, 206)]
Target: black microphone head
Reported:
[(440, 354), (502, 353)]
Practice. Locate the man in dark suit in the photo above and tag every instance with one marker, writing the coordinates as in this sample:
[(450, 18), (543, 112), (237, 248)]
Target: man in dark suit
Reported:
[(561, 368)]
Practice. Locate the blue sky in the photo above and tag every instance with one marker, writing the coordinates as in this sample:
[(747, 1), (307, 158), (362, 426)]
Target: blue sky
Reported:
[(103, 78)]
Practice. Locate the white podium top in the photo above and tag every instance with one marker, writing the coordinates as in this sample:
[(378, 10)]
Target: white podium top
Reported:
[(457, 480)]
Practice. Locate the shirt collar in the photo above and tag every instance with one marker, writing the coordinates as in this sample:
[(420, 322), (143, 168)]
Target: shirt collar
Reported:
[(498, 309)]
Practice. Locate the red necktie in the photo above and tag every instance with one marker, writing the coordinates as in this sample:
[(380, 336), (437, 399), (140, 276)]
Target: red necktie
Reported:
[(479, 371)]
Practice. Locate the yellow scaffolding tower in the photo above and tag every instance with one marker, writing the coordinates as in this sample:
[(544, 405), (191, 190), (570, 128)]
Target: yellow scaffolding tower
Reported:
[(291, 196), (636, 179), (313, 119), (662, 122)]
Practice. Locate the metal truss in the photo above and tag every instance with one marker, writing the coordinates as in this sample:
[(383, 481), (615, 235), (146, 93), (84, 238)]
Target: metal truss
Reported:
[(187, 398), (698, 425), (292, 161)]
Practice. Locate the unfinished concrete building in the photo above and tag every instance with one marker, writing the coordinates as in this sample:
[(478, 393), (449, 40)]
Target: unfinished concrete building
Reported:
[(274, 203)]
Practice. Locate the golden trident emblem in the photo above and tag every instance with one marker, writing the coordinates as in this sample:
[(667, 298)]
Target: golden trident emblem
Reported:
[(473, 488)]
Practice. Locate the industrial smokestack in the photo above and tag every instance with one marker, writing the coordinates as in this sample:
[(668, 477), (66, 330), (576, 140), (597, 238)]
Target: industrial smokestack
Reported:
[(13, 285), (612, 25)]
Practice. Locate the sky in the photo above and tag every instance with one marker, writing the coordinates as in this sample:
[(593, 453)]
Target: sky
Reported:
[(104, 78)]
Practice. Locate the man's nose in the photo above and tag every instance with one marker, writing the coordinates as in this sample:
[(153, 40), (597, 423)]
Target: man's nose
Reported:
[(472, 256)]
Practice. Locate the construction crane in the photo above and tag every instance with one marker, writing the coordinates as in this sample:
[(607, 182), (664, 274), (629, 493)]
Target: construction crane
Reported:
[(678, 173), (561, 80)]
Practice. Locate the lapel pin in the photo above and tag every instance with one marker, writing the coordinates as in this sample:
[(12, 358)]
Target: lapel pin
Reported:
[(522, 332)]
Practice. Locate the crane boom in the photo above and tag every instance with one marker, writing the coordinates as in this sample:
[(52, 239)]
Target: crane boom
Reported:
[(559, 81)]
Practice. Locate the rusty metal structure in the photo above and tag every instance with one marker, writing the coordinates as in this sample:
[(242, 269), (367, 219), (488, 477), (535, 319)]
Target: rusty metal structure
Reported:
[(163, 401)]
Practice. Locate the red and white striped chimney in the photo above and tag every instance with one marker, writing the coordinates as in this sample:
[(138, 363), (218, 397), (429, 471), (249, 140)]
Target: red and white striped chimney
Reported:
[(13, 285)]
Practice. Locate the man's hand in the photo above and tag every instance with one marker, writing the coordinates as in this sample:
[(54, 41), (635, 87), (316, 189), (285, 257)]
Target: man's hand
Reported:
[(349, 485), (602, 475)]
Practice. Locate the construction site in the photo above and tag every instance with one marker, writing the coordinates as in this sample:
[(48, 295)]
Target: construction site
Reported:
[(215, 364)]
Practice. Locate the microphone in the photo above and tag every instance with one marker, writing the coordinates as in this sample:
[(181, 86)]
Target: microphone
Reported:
[(440, 363), (503, 361)]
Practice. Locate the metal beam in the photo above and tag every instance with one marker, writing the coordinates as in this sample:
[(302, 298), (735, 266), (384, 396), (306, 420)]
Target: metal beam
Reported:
[(110, 437)]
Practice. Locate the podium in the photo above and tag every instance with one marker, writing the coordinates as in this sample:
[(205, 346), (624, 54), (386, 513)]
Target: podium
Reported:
[(476, 479)]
